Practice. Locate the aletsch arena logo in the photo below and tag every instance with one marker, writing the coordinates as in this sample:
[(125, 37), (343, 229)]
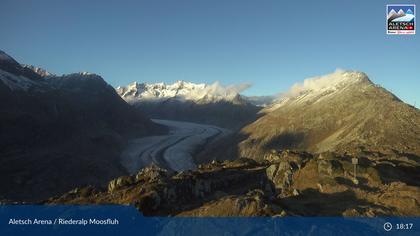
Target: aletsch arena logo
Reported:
[(401, 18)]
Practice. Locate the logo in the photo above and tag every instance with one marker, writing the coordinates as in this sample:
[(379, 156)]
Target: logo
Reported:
[(401, 18)]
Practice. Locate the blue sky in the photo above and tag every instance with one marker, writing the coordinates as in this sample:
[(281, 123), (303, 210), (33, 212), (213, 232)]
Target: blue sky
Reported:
[(271, 44)]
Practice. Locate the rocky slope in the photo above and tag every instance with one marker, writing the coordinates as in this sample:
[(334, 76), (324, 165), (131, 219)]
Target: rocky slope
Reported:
[(342, 112), (286, 183), (200, 103), (59, 132)]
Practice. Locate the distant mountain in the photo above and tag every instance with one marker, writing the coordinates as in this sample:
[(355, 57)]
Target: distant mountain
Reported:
[(38, 70), (261, 101), (341, 112), (201, 103), (59, 132), (180, 90)]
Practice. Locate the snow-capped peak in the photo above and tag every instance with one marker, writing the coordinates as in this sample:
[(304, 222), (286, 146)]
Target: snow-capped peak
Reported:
[(317, 88), (332, 81), (401, 12), (40, 71), (85, 73), (181, 90)]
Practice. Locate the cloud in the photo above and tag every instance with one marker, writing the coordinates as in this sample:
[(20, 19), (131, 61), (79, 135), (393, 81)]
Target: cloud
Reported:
[(319, 83), (218, 90)]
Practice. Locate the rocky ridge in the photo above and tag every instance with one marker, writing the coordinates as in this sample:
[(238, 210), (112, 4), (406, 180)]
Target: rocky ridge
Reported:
[(286, 183)]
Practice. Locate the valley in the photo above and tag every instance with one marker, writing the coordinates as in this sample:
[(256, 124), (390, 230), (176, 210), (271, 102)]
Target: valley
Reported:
[(173, 151), (187, 149)]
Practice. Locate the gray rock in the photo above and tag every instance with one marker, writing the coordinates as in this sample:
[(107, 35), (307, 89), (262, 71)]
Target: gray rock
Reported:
[(152, 173)]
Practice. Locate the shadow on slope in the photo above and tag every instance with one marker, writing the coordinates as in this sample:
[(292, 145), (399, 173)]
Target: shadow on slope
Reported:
[(223, 114), (311, 202)]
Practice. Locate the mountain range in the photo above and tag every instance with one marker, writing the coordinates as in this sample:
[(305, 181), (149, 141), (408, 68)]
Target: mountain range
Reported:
[(333, 145), (200, 103), (297, 159)]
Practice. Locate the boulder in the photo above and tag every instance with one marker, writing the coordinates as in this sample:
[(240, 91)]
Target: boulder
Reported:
[(280, 175), (152, 173), (120, 182)]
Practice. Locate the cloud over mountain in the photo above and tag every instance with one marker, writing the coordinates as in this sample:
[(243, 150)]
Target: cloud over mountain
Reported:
[(331, 81), (182, 90)]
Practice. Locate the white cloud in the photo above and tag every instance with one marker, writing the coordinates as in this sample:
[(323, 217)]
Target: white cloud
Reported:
[(216, 89), (321, 83)]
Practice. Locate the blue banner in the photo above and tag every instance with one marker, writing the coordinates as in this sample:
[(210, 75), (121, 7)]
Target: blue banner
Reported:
[(126, 220)]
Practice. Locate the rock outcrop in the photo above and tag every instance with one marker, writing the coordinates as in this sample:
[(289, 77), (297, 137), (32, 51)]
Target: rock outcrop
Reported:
[(284, 183)]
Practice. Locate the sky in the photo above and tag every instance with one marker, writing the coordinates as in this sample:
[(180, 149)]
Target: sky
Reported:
[(270, 44)]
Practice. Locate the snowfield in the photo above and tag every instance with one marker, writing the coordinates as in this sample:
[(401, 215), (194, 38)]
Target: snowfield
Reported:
[(173, 151)]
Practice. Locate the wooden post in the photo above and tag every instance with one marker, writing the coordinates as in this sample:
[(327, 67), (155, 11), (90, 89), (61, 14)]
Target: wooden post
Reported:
[(355, 161)]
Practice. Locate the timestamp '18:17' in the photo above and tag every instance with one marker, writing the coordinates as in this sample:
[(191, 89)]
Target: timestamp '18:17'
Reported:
[(404, 226)]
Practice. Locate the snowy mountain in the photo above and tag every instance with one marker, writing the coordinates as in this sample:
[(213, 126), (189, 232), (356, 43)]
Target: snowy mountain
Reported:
[(316, 89), (181, 91), (212, 104), (40, 71), (343, 111)]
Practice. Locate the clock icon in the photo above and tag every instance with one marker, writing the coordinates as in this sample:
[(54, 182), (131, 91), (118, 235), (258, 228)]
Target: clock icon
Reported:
[(387, 226)]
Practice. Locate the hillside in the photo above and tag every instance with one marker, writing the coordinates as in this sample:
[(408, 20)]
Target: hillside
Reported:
[(336, 145), (286, 184), (341, 112), (59, 132)]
